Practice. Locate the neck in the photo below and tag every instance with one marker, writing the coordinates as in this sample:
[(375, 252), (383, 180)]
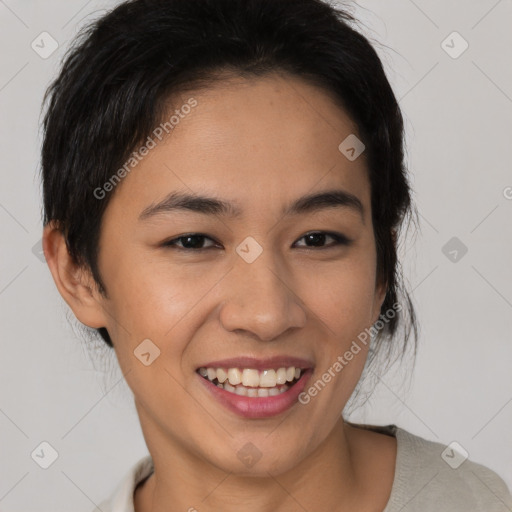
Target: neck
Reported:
[(326, 478)]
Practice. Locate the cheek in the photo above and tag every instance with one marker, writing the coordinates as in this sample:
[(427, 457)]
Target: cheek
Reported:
[(342, 295), (154, 300), (343, 299)]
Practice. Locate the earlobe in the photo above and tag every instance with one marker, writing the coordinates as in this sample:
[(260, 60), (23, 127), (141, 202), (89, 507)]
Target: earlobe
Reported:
[(75, 284)]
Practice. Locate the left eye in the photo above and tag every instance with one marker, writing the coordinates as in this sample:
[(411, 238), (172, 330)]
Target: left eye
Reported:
[(318, 237), (195, 241)]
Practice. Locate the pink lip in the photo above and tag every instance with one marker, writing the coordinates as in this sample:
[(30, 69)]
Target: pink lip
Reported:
[(259, 364), (257, 407)]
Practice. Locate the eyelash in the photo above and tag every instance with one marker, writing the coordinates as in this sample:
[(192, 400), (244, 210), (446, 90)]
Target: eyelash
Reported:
[(338, 238)]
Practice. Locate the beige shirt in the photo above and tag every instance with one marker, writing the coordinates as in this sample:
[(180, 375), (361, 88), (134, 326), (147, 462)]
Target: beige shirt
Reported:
[(429, 477)]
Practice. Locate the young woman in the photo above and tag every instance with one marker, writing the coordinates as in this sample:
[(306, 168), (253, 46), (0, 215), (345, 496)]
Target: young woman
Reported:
[(224, 187)]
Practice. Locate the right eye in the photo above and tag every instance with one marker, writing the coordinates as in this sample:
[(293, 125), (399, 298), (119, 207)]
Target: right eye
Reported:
[(189, 242)]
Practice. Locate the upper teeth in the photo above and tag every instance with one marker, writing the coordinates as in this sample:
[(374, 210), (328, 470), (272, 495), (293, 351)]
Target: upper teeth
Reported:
[(250, 377)]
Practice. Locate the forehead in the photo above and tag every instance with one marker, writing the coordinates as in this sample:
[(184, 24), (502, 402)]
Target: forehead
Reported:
[(259, 143)]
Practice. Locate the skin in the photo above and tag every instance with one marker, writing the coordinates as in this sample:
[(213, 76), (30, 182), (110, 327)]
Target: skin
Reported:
[(259, 143)]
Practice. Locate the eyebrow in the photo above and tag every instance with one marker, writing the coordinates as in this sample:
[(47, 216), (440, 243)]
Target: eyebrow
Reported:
[(180, 201)]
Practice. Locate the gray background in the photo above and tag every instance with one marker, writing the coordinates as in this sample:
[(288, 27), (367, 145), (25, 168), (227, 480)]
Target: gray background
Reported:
[(459, 130)]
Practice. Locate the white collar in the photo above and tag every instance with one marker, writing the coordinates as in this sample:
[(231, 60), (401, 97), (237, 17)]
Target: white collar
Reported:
[(122, 498)]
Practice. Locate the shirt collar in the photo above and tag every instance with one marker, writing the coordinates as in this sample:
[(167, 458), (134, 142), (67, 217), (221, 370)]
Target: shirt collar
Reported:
[(122, 499)]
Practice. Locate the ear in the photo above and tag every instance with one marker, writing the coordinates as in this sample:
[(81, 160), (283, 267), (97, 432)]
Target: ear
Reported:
[(380, 294), (381, 286), (75, 284)]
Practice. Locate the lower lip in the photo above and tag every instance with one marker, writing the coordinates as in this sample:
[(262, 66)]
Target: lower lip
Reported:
[(258, 407)]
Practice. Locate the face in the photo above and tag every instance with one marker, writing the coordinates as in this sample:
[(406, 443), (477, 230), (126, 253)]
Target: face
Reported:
[(258, 285)]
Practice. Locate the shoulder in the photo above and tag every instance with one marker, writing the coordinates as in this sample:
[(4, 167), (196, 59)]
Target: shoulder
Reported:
[(433, 476)]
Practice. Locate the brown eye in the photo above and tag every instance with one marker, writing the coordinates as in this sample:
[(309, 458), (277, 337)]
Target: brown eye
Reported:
[(318, 238), (189, 242)]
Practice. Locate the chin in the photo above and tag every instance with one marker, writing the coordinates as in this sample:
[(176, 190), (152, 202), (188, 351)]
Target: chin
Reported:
[(259, 457)]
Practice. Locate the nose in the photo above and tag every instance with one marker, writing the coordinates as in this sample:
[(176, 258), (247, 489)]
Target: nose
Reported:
[(259, 301)]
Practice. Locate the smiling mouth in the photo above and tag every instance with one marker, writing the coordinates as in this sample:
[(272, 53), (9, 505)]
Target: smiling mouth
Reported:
[(251, 382)]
